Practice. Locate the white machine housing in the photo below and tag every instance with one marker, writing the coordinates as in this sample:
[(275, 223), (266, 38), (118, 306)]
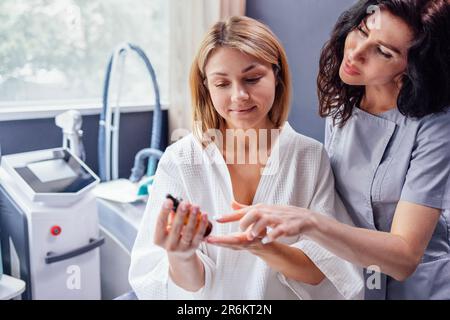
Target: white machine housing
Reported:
[(63, 231)]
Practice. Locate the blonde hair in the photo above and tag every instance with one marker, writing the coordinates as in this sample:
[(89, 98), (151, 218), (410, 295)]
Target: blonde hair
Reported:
[(250, 37)]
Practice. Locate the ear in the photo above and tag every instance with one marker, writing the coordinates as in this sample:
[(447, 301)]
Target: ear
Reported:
[(398, 80), (236, 205)]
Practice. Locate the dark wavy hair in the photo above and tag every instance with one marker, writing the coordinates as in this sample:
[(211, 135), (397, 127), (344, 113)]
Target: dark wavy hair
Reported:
[(426, 83)]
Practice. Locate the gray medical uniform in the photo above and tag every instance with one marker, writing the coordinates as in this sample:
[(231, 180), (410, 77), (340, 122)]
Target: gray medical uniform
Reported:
[(378, 161)]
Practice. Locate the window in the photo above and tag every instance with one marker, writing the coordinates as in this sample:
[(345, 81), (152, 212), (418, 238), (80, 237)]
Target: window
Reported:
[(55, 52)]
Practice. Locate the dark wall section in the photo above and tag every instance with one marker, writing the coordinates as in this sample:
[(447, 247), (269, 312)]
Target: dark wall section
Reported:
[(303, 26), (37, 134)]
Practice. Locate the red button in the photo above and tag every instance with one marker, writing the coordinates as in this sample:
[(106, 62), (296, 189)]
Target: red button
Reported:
[(55, 230)]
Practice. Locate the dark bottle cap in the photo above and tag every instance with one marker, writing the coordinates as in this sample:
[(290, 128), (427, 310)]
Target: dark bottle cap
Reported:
[(208, 229), (176, 203)]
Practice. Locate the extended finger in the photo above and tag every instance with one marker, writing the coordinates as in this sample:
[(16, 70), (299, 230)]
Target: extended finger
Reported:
[(274, 234), (260, 226), (252, 216), (231, 239), (161, 223), (178, 223), (200, 234), (235, 216), (189, 229)]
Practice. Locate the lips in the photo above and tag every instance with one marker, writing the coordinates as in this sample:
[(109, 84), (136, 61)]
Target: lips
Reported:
[(243, 110), (350, 69)]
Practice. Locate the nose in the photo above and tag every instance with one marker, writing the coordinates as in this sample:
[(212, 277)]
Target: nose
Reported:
[(358, 53), (239, 93)]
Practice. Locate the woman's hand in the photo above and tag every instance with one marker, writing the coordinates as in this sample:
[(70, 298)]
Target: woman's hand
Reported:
[(283, 221), (289, 261), (182, 236), (237, 241)]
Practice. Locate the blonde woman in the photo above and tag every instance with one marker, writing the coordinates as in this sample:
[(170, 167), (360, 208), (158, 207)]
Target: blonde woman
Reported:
[(240, 83)]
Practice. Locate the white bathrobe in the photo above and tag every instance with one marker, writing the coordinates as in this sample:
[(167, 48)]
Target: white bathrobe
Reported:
[(297, 173)]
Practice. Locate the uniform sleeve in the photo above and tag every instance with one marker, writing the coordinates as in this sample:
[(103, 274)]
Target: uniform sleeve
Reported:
[(343, 279), (149, 268), (428, 177)]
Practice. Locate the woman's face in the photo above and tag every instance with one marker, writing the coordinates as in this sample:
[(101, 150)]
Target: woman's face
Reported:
[(376, 51), (242, 88)]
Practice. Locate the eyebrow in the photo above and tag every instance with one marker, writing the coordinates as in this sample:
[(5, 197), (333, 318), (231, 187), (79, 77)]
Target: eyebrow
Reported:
[(246, 69), (250, 67), (381, 42)]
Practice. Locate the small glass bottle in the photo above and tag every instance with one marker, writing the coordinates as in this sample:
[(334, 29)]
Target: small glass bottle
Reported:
[(176, 203)]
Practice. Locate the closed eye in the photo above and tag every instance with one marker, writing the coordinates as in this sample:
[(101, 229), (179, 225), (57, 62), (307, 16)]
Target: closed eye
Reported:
[(253, 80), (221, 84), (384, 54)]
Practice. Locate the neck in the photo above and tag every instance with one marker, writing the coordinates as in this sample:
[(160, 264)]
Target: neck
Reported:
[(247, 143), (378, 99)]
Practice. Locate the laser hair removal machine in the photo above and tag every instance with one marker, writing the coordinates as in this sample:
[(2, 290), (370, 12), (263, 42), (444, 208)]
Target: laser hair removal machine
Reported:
[(49, 224)]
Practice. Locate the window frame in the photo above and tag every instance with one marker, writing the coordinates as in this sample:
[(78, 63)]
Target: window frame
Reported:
[(18, 111)]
